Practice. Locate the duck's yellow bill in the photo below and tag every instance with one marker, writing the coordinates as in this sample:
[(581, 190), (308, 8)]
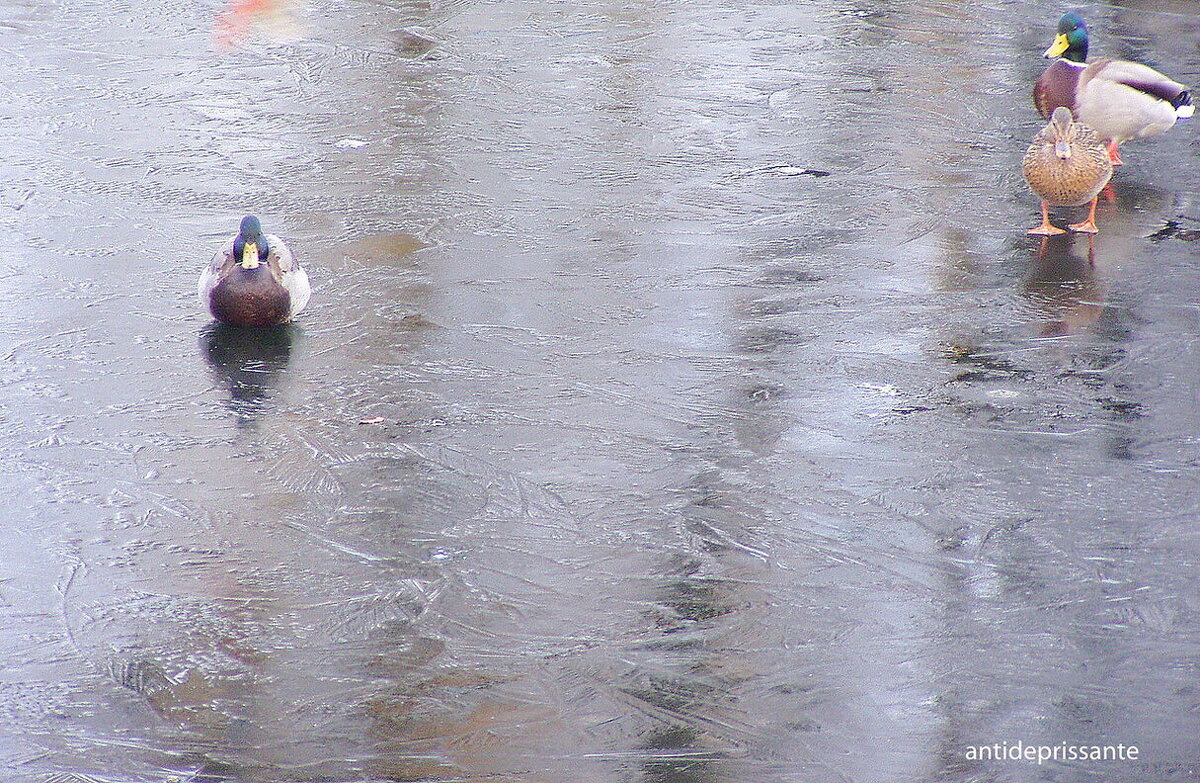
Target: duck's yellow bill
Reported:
[(1060, 45), (250, 255)]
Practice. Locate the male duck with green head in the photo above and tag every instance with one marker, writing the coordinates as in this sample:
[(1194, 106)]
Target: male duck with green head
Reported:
[(253, 280), (1121, 100)]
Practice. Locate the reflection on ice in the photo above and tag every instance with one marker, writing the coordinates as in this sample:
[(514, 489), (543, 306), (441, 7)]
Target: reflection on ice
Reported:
[(1064, 286), (247, 362)]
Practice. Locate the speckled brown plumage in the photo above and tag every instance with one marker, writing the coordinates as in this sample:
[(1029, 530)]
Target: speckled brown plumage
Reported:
[(1066, 165)]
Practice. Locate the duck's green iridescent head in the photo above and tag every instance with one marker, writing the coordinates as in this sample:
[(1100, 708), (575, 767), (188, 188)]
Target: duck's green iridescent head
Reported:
[(1071, 42), (250, 227), (250, 247)]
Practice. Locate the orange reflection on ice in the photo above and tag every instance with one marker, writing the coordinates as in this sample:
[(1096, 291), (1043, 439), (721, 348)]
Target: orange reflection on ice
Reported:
[(275, 20)]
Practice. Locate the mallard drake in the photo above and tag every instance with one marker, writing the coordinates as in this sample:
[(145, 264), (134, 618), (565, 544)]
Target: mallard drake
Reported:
[(253, 280), (1066, 165), (1121, 100)]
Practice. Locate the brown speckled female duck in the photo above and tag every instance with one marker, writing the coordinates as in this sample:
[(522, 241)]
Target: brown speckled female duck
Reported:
[(1067, 165)]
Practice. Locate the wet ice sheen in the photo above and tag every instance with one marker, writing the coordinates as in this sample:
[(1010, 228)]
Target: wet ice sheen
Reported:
[(620, 442)]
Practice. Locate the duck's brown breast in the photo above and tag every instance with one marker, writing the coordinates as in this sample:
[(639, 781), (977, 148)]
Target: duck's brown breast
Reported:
[(1056, 87), (257, 301)]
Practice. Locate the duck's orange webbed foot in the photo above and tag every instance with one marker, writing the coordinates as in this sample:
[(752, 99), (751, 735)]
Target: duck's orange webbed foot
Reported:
[(1088, 226), (1046, 229)]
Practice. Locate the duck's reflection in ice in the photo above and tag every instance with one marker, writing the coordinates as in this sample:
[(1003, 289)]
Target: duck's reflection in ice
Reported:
[(247, 363), (1063, 285)]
